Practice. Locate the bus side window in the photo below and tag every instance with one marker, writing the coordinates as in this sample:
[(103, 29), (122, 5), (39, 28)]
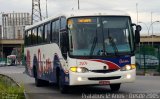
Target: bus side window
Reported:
[(57, 31), (29, 37), (63, 23), (34, 36), (26, 38), (40, 34), (53, 30), (49, 32), (64, 43), (45, 33)]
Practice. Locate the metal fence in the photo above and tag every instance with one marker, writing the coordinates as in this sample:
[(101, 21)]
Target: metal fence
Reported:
[(148, 58)]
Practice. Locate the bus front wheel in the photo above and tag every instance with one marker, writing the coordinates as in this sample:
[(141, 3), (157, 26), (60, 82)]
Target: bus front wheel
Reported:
[(115, 87), (39, 82), (63, 88)]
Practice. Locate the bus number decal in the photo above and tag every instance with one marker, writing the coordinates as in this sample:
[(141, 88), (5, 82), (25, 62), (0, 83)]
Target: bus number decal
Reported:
[(83, 63)]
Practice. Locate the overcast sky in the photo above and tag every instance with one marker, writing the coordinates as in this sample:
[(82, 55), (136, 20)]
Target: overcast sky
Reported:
[(145, 7)]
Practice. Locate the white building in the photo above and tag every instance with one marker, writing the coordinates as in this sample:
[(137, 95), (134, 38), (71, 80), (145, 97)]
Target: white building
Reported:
[(13, 24)]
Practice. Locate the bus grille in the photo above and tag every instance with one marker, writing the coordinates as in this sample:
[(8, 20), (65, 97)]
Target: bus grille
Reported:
[(104, 78), (104, 71)]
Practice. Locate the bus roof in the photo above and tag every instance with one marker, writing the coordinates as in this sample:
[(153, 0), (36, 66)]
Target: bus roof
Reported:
[(78, 13)]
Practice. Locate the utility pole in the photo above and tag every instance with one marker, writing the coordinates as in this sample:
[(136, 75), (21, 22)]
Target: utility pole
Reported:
[(152, 28), (46, 10), (78, 4), (36, 11), (151, 22), (137, 11)]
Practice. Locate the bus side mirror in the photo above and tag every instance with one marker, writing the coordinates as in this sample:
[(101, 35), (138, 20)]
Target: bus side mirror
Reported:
[(137, 33)]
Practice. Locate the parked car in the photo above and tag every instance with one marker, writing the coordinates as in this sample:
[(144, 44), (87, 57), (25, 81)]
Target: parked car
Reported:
[(150, 60)]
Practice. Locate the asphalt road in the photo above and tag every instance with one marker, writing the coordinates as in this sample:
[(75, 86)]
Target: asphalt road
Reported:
[(143, 87)]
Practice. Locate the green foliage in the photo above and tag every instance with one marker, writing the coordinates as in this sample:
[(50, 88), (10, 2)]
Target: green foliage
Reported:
[(3, 59), (149, 52), (10, 91), (146, 49)]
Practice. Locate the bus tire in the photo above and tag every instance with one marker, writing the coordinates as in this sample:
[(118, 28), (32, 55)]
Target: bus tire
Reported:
[(38, 82), (63, 88), (115, 87)]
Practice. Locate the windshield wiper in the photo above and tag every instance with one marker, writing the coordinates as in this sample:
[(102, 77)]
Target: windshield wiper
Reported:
[(93, 45), (113, 44)]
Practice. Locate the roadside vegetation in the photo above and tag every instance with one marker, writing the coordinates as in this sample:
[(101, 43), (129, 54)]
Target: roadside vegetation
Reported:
[(10, 90)]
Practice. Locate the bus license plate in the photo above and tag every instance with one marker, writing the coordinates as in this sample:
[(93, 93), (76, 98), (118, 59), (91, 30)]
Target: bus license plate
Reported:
[(104, 82)]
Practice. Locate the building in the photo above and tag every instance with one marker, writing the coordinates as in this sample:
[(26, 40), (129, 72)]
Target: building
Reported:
[(14, 23), (152, 40)]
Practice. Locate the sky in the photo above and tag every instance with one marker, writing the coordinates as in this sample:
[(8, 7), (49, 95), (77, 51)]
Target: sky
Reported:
[(145, 7)]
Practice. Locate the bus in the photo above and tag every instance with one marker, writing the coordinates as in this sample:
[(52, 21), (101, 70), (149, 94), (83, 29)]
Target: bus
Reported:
[(91, 47)]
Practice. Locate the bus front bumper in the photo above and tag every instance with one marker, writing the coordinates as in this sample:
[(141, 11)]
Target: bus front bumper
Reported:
[(92, 78)]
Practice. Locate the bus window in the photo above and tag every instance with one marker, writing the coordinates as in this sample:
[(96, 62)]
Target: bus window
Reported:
[(34, 36), (64, 43), (29, 38), (63, 23), (26, 38), (49, 32), (45, 33), (57, 31), (40, 34), (53, 30)]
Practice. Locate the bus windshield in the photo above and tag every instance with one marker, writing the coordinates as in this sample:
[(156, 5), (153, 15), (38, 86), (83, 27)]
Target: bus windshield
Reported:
[(97, 36)]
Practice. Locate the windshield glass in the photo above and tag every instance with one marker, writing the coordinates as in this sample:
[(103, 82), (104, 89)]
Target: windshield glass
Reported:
[(96, 36)]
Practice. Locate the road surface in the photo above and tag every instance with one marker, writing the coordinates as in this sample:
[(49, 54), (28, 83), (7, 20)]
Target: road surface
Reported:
[(144, 86)]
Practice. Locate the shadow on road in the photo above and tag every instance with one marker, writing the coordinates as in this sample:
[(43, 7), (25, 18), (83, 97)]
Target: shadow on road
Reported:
[(83, 89), (76, 92)]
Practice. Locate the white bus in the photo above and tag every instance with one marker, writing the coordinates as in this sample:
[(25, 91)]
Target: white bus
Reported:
[(82, 48)]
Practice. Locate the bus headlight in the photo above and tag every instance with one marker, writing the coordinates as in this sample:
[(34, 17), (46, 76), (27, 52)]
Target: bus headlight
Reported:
[(79, 69), (73, 69), (128, 67)]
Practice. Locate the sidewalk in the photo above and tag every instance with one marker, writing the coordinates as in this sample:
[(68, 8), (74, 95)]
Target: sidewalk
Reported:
[(12, 69)]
